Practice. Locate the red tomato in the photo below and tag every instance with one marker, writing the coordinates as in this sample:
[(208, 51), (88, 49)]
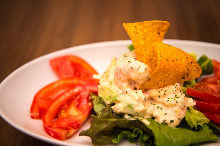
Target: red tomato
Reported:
[(207, 106), (213, 79), (72, 66), (67, 113), (215, 117), (216, 65), (205, 91), (49, 93)]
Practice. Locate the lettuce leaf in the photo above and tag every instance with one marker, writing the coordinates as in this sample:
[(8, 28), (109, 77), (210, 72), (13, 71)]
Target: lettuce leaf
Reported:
[(98, 104), (195, 118), (206, 64), (136, 135), (165, 135), (108, 125), (187, 84)]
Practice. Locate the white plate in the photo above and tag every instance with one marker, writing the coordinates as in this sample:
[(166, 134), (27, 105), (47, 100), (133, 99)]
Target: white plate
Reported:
[(18, 89)]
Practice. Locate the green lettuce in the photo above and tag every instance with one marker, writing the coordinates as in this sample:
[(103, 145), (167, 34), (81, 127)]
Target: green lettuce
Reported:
[(136, 135), (187, 84), (206, 64), (131, 47), (98, 104), (165, 135), (194, 56), (109, 125), (195, 118)]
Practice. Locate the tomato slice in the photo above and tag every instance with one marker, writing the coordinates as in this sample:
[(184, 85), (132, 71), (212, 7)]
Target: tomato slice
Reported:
[(205, 91), (215, 117), (215, 78), (45, 96), (216, 65), (72, 66), (67, 113), (207, 106)]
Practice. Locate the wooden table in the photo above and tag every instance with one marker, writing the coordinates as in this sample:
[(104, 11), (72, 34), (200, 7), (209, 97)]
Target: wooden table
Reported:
[(32, 28)]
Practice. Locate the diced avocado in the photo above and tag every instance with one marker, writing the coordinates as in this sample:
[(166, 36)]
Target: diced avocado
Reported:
[(106, 88), (108, 95), (128, 109)]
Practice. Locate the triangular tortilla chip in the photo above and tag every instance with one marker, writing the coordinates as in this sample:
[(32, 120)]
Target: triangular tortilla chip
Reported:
[(168, 64), (173, 66), (143, 34)]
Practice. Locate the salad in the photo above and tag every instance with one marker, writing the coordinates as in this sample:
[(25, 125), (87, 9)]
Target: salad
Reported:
[(155, 94), (144, 95)]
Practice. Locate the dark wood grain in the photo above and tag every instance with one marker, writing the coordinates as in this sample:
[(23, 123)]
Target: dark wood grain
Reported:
[(32, 28)]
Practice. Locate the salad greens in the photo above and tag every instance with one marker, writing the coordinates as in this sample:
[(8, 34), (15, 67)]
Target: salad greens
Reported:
[(195, 118), (98, 104), (108, 127), (136, 135), (131, 47), (165, 135), (187, 84), (206, 64)]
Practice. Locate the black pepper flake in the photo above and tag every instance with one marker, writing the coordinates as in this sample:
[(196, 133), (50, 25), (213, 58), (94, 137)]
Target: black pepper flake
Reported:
[(171, 121)]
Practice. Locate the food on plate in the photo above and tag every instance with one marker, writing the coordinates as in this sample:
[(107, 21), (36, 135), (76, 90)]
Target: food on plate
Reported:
[(161, 58), (70, 65), (65, 104), (207, 91), (141, 95)]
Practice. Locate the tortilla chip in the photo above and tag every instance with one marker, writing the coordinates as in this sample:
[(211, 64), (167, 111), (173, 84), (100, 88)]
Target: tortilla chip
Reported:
[(173, 66), (168, 64), (146, 31), (143, 34)]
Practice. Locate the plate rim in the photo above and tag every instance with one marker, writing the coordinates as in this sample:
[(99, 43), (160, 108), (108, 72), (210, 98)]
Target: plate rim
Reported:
[(73, 49)]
